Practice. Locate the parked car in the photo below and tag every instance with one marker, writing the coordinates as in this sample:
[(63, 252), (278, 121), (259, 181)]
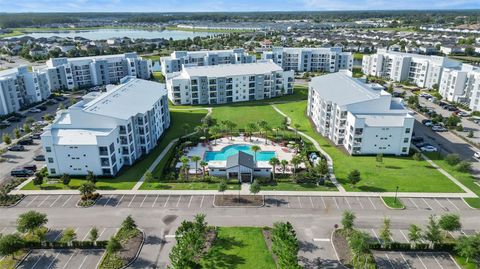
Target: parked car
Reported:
[(476, 155), (425, 121), (26, 141), (452, 108), (421, 144), (463, 114), (417, 139), (32, 167), (429, 124), (6, 123), (16, 148), (21, 172), (439, 128), (39, 158), (34, 110), (14, 119), (52, 102), (428, 148), (35, 136)]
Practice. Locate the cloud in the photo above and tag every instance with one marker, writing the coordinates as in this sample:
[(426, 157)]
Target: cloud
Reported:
[(389, 5)]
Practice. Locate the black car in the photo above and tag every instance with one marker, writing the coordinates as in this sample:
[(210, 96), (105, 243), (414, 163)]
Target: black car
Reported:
[(421, 144), (16, 148), (452, 108), (35, 136), (39, 158), (21, 172), (417, 139), (425, 121), (14, 119), (31, 167), (42, 108), (26, 141)]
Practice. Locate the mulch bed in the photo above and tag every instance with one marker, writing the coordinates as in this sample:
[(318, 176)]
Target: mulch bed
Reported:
[(210, 239), (342, 248), (130, 248), (235, 200), (267, 235)]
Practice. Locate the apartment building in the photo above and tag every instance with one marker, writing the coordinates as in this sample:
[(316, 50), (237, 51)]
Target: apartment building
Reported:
[(310, 59), (20, 87), (423, 70), (461, 85), (106, 131), (177, 59), (363, 118), (70, 73), (229, 83)]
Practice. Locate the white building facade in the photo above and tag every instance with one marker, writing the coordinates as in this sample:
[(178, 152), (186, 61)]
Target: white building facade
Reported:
[(70, 73), (422, 70), (462, 85), (177, 59), (311, 59), (107, 131), (229, 83), (362, 118)]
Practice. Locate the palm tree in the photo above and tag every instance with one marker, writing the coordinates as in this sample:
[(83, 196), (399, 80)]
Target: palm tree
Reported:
[(230, 126), (266, 129), (185, 160), (284, 164), (274, 162), (195, 159), (295, 162), (185, 128), (255, 148), (252, 127), (263, 124), (214, 131), (203, 164)]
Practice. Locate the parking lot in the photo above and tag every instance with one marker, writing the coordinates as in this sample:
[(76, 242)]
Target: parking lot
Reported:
[(62, 258), (414, 260), (206, 201)]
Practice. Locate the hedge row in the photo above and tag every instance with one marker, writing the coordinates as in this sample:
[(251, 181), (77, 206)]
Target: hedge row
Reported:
[(397, 246), (74, 244)]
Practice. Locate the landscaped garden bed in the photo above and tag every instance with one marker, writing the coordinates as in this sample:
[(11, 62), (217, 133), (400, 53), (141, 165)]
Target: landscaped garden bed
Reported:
[(238, 200), (392, 202), (9, 199)]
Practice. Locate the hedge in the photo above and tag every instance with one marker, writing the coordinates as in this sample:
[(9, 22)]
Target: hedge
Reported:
[(397, 246), (74, 244)]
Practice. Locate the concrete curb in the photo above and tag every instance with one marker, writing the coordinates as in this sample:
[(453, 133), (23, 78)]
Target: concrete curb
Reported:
[(392, 208), (463, 199), (23, 259), (333, 246), (138, 251)]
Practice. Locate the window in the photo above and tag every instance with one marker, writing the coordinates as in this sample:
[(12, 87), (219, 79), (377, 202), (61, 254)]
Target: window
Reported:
[(407, 131), (103, 151), (48, 149), (50, 160), (52, 171), (405, 140), (404, 149)]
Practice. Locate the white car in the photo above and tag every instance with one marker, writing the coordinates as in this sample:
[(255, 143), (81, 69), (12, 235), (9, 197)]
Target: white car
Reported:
[(476, 155), (463, 114), (428, 149), (34, 110)]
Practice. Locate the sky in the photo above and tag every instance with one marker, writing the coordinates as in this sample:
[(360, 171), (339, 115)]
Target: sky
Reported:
[(227, 5)]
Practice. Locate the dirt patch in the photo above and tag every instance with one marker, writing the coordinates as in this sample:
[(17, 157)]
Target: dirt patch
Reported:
[(130, 248), (341, 246), (236, 200)]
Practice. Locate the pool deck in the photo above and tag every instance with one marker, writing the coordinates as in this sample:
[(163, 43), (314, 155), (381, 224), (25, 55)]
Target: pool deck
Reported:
[(282, 153)]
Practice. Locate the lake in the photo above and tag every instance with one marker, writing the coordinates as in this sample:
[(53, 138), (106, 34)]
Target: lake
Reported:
[(102, 34)]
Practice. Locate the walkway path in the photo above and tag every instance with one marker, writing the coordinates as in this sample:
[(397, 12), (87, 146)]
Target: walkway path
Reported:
[(317, 146)]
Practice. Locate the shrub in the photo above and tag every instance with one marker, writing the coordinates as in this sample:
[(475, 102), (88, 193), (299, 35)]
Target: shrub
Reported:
[(463, 166), (452, 159)]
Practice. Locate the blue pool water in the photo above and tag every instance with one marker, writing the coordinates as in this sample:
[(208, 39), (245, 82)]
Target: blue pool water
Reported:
[(234, 149)]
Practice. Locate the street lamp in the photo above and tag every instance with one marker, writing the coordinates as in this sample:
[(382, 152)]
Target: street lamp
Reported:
[(395, 200)]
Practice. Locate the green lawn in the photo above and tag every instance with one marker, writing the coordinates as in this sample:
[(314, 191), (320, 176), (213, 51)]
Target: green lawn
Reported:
[(393, 203), (290, 186), (404, 172), (473, 202), (8, 262), (463, 262), (243, 114), (186, 186), (158, 76), (358, 56), (239, 248), (127, 179)]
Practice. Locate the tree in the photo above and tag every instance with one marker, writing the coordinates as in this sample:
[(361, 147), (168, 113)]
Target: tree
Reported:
[(450, 223), (385, 233), (61, 106), (452, 159), (348, 219), (252, 127), (27, 128), (203, 164), (222, 186), (468, 247), (354, 177), (38, 179), (87, 189), (359, 244), (284, 164), (214, 131), (185, 167), (195, 159), (470, 133), (114, 245), (6, 139), (323, 170), (65, 178), (128, 223), (255, 188), (148, 176), (10, 244), (295, 161), (17, 133), (432, 233), (414, 234), (186, 128), (30, 221), (285, 245), (464, 166), (93, 235), (68, 235), (91, 177), (274, 162), (255, 148)]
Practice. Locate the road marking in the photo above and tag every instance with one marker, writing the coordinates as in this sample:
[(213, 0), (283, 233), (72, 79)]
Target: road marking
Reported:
[(59, 234), (84, 259), (404, 236), (143, 200), (165, 205), (435, 258), (201, 203), (336, 204), (421, 261), (41, 203), (189, 202), (438, 202), (169, 236), (321, 239), (41, 256), (311, 202), (178, 202), (323, 201), (85, 237), (405, 260), (108, 200), (376, 236), (53, 260), (299, 202), (453, 204), (426, 203), (132, 200), (154, 202), (69, 259), (374, 207), (119, 201), (348, 203), (413, 202), (288, 201), (389, 261), (55, 200), (361, 205), (34, 198), (64, 204)]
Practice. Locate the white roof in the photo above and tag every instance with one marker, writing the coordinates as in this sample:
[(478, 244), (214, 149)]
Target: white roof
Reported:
[(395, 120), (128, 99), (8, 72), (78, 136), (226, 70)]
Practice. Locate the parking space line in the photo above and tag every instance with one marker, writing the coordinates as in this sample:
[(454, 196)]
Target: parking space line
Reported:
[(288, 201), (389, 261), (119, 201), (426, 203), (405, 260), (348, 203), (53, 260), (178, 202), (336, 204), (86, 235), (59, 234), (56, 200), (84, 259), (404, 236), (102, 232), (191, 197), (443, 207), (413, 202), (453, 204), (435, 258), (34, 198), (311, 201), (165, 205), (4, 228), (41, 256), (299, 202), (421, 261), (108, 200), (376, 236), (324, 205), (374, 207), (64, 204), (132, 200), (361, 205), (143, 200), (154, 202), (69, 259), (201, 203), (39, 205)]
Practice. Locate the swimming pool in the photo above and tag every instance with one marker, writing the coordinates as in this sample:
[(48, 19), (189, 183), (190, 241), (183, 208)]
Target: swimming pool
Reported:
[(234, 149)]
